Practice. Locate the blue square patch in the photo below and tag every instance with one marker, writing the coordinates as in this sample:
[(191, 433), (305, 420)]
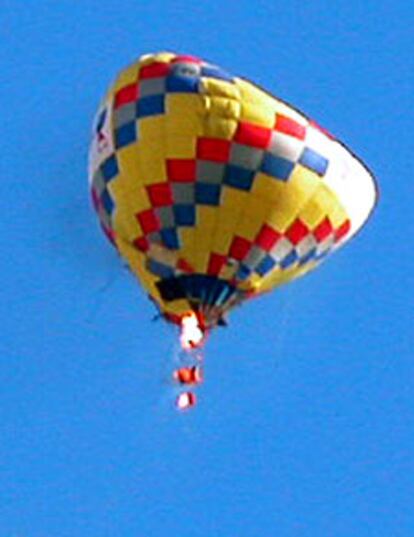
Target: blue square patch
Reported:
[(107, 201), (289, 259), (238, 177), (314, 161), (265, 265), (277, 167), (207, 194), (109, 168), (170, 238), (125, 135), (182, 84), (150, 106), (184, 215)]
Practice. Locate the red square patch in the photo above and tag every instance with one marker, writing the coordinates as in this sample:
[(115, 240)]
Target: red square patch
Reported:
[(253, 135), (148, 221), (213, 149), (289, 126), (215, 264), (125, 95), (181, 170), (154, 70), (342, 230), (323, 230), (297, 231), (160, 194), (239, 248), (141, 243), (267, 237)]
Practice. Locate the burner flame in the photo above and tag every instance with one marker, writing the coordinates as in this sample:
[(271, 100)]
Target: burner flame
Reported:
[(191, 334)]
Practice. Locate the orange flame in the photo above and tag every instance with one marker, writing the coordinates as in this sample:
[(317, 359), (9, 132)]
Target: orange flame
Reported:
[(191, 334)]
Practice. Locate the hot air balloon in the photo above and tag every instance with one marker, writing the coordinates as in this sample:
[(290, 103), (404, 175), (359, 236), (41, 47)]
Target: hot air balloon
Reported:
[(214, 191)]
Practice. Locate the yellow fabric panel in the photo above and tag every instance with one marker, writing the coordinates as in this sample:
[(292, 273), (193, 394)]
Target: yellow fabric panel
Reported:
[(286, 197), (152, 128), (311, 212), (231, 210), (201, 258), (128, 162), (180, 147), (223, 107), (250, 93), (330, 204), (304, 182), (138, 199), (217, 127), (151, 163), (191, 245), (129, 202), (267, 188), (186, 113), (219, 88), (129, 195), (264, 117), (207, 218), (223, 235), (252, 218), (203, 238), (233, 199), (338, 215), (127, 76), (187, 240)]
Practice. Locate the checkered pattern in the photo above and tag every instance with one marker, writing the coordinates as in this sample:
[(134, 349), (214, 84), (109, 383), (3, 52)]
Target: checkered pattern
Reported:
[(220, 164), (237, 154), (297, 245), (102, 199), (146, 96), (142, 99), (217, 164)]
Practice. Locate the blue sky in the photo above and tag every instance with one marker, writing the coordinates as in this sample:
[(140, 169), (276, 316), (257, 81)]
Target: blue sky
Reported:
[(305, 425)]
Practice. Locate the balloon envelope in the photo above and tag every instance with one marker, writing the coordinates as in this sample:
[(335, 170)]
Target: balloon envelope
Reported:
[(214, 190)]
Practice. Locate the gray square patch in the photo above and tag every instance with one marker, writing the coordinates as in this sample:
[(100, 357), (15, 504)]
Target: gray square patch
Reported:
[(210, 172), (154, 238), (254, 257), (125, 114), (152, 86), (183, 193), (166, 216), (325, 245), (245, 156), (306, 245), (104, 217), (98, 182), (281, 249)]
